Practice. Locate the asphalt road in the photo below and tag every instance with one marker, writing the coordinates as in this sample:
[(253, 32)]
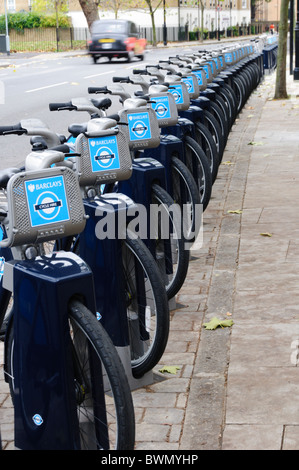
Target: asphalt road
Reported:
[(32, 82)]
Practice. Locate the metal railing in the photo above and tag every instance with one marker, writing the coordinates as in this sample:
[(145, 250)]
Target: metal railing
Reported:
[(47, 39), (61, 39)]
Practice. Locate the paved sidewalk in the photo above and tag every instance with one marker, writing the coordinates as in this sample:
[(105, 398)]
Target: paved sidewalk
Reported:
[(234, 388)]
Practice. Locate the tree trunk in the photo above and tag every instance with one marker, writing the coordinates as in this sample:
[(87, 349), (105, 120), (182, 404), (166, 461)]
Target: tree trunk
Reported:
[(153, 25), (201, 26), (281, 86), (90, 10)]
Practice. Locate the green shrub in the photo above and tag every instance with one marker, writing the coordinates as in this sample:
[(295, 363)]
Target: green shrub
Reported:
[(49, 21), (20, 21)]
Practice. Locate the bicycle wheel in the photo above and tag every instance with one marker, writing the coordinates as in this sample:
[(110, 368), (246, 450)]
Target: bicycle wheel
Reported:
[(238, 87), (147, 305), (104, 403), (185, 193), (214, 127), (219, 111), (205, 139), (229, 102), (198, 165), (171, 254)]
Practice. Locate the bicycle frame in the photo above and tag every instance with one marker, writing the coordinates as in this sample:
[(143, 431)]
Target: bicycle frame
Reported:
[(44, 399), (103, 257), (42, 286)]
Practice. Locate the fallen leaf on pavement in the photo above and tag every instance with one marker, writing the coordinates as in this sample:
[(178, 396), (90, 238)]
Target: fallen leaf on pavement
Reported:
[(215, 322), (266, 234), (238, 211), (169, 369)]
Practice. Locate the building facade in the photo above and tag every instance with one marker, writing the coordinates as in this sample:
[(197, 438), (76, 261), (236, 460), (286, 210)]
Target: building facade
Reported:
[(217, 14)]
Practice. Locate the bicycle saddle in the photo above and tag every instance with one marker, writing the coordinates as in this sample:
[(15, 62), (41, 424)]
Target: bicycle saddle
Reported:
[(6, 174), (76, 129), (102, 104)]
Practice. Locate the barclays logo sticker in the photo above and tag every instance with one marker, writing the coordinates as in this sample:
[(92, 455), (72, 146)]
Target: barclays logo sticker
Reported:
[(161, 107), (189, 83), (198, 75), (104, 153), (177, 92), (47, 201), (206, 69), (139, 126)]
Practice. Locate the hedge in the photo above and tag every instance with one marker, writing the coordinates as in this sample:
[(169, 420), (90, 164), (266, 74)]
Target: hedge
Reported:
[(20, 21)]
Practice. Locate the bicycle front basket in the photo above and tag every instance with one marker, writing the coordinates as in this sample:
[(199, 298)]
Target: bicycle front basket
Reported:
[(201, 77), (43, 205), (180, 93), (165, 108), (192, 85), (142, 130), (105, 157)]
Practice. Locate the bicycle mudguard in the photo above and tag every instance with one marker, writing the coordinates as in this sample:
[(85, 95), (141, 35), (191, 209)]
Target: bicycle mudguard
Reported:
[(146, 172), (44, 399), (100, 248)]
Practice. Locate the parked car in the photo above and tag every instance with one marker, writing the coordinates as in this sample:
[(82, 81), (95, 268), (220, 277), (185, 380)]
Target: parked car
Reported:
[(115, 38)]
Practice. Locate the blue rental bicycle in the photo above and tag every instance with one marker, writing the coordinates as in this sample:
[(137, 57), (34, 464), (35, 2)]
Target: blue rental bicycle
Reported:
[(67, 383)]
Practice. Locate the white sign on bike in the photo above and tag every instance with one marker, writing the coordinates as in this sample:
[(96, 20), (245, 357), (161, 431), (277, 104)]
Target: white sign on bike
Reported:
[(47, 201), (103, 153)]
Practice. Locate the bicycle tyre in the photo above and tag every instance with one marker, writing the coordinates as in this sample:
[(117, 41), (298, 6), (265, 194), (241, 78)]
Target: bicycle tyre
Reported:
[(198, 165), (185, 193), (239, 92), (171, 254), (214, 127), (219, 111), (148, 333), (232, 97), (119, 432), (205, 139), (227, 98), (144, 289)]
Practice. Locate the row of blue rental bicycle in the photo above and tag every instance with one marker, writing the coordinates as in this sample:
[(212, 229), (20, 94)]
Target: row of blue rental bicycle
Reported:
[(96, 234)]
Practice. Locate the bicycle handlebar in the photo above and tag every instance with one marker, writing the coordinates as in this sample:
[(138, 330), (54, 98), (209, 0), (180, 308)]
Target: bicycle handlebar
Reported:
[(140, 72), (62, 106), (121, 79), (97, 89), (15, 129)]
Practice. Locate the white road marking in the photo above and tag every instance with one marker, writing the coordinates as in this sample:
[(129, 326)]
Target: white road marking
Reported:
[(99, 74), (48, 86)]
